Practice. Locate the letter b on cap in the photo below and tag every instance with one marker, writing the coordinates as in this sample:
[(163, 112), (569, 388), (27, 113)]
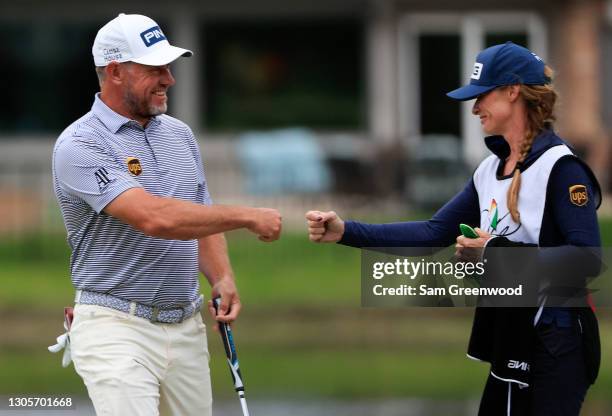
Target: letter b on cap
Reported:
[(477, 70)]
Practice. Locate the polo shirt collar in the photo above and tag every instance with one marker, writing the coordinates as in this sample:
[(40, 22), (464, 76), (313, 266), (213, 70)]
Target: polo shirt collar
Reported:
[(111, 119)]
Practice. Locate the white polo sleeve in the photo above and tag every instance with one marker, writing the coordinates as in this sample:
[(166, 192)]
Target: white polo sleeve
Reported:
[(85, 170)]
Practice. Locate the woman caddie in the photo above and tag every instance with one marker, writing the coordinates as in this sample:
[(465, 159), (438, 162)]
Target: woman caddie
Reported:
[(534, 192)]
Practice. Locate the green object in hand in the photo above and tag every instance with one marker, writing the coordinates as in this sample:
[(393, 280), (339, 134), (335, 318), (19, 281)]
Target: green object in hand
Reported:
[(468, 231)]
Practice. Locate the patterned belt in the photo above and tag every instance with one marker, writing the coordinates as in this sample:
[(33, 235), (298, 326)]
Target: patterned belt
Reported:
[(151, 313)]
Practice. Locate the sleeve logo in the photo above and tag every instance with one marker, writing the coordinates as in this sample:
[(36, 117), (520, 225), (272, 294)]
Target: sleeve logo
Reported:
[(102, 178), (134, 166), (578, 195)]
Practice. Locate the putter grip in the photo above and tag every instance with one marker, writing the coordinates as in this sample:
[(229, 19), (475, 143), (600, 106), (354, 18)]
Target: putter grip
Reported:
[(230, 349), (228, 342)]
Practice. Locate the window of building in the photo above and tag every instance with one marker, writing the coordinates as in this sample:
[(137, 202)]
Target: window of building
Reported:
[(48, 76), (268, 74), (439, 62)]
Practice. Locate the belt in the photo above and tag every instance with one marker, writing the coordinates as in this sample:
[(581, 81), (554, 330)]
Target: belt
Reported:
[(151, 313)]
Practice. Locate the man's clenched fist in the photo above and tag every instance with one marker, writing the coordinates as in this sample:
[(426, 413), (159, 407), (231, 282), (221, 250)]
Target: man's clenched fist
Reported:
[(266, 223)]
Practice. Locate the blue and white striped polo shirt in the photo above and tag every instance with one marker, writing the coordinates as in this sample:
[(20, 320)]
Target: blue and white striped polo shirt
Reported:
[(98, 157)]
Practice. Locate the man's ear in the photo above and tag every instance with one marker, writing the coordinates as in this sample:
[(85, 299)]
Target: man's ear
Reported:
[(115, 73)]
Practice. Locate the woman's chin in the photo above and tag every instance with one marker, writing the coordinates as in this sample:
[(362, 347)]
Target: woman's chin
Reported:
[(488, 131)]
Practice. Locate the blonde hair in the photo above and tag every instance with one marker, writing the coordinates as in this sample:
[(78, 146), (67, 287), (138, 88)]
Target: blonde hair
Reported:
[(540, 101)]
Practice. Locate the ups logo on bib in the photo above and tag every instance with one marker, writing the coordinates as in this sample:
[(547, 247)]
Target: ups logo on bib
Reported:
[(578, 195), (134, 166)]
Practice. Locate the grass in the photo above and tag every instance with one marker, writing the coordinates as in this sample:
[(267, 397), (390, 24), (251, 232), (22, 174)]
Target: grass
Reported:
[(358, 373), (296, 272), (291, 272), (302, 332), (345, 372), (427, 370)]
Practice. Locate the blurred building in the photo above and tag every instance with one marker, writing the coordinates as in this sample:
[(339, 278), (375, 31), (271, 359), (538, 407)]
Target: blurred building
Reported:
[(368, 78)]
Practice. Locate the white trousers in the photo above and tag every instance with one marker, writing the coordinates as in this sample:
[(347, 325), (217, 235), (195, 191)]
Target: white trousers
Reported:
[(134, 367)]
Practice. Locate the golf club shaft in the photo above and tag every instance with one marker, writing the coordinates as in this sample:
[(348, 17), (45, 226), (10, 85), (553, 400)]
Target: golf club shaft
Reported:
[(232, 358), (243, 404)]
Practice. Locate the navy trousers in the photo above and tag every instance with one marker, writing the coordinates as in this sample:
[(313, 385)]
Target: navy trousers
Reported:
[(558, 383)]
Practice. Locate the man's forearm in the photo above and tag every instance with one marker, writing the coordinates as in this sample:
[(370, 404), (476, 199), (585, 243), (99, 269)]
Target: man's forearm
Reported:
[(213, 259), (176, 219), (215, 264)]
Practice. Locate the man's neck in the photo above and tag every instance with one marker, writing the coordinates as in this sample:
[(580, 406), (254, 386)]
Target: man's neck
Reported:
[(117, 105)]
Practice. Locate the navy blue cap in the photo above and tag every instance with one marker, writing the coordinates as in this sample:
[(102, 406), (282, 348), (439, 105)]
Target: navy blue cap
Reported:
[(499, 65)]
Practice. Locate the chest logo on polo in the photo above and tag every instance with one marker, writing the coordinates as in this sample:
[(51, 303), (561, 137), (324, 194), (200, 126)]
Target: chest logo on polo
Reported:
[(578, 195), (134, 166)]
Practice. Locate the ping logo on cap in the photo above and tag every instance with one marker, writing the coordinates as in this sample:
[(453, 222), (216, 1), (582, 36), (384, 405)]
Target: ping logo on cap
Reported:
[(152, 36), (477, 70)]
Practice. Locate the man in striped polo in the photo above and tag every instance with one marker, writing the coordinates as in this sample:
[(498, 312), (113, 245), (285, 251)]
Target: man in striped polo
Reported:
[(141, 225)]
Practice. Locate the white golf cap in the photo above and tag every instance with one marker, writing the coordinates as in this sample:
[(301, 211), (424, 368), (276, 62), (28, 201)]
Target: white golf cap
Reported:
[(135, 38)]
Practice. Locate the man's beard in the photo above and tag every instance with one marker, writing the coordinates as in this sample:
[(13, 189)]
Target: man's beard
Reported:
[(140, 107)]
